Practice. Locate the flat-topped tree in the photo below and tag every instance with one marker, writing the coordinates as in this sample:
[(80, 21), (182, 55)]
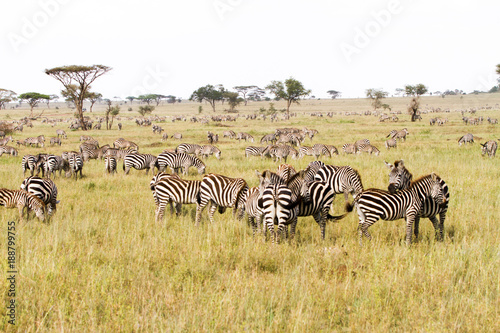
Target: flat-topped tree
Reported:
[(250, 90), (147, 98), (292, 91), (92, 98), (334, 93), (33, 98), (209, 94), (376, 96), (6, 96), (76, 80)]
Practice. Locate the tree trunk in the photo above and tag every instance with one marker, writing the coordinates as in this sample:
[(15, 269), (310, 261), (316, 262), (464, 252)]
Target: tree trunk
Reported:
[(79, 109), (288, 103)]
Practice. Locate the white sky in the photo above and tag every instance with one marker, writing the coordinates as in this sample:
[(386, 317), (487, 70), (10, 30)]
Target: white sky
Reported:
[(174, 47)]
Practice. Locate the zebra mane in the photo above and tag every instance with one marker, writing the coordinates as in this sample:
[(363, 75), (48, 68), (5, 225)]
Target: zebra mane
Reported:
[(424, 178)]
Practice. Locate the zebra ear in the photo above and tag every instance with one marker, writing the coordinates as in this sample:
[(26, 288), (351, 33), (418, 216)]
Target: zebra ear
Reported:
[(258, 174), (389, 165), (401, 164), (434, 177)]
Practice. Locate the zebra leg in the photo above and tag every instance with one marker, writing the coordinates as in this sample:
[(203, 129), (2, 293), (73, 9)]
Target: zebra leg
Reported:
[(211, 211), (127, 170), (320, 219), (178, 207), (293, 227), (416, 226), (199, 209), (410, 220), (160, 210), (442, 217)]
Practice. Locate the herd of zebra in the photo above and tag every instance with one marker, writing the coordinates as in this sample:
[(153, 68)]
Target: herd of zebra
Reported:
[(286, 194)]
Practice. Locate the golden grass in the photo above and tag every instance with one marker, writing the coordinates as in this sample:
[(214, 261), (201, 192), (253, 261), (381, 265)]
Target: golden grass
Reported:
[(103, 264)]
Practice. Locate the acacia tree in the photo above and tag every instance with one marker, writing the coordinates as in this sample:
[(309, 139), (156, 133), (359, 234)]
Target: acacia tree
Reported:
[(33, 98), (93, 97), (112, 111), (77, 79), (131, 99), (376, 96), (147, 98), (251, 91), (6, 96), (292, 91), (233, 99), (416, 90), (208, 93), (334, 93), (51, 98)]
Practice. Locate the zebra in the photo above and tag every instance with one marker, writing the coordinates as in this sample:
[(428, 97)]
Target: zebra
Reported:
[(398, 134), (176, 136), (121, 143), (55, 141), (55, 163), (361, 143), (6, 140), (400, 179), (119, 126), (332, 149), (280, 152), (119, 153), (43, 188), (254, 151), (375, 204), (110, 164), (320, 149), (207, 150), (29, 163), (188, 148), (139, 162), (22, 199), (254, 212), (342, 179), (286, 171), (349, 148), (229, 134), (489, 147), (75, 164), (177, 161), (39, 140), (172, 189), (492, 120), (391, 143), (91, 152), (305, 151), (369, 149), (221, 191), (211, 137), (268, 137), (432, 121), (291, 138), (8, 150), (467, 138), (62, 133), (244, 136)]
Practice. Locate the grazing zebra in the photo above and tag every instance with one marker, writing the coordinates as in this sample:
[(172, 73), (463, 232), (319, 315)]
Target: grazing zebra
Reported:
[(121, 143), (369, 149), (6, 140), (207, 150), (467, 138), (164, 137), (75, 164), (211, 137), (305, 151), (492, 120), (342, 179), (391, 143), (398, 134), (222, 191), (361, 143), (55, 163), (110, 164), (432, 121), (39, 140), (188, 148), (8, 150), (139, 162), (172, 189), (349, 148), (400, 179), (22, 199), (268, 138), (320, 149), (254, 151), (291, 138), (375, 204), (489, 147), (62, 133), (55, 141), (280, 152), (229, 134), (244, 136), (176, 136), (29, 163), (332, 149), (177, 161), (43, 188)]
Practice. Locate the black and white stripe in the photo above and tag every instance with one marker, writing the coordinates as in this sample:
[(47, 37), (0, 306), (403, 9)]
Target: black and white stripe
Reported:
[(39, 140), (178, 161), (22, 199), (467, 138), (391, 143), (188, 148), (28, 163), (208, 150), (489, 147), (75, 164), (139, 162), (375, 204), (8, 150), (169, 189), (223, 192), (43, 188), (349, 148), (55, 163), (342, 179), (110, 164), (254, 151)]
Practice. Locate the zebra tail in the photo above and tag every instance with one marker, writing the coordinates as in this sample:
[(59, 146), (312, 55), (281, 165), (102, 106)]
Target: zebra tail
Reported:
[(349, 207), (336, 218)]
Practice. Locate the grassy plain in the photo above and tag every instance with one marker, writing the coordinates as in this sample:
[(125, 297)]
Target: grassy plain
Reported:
[(103, 264)]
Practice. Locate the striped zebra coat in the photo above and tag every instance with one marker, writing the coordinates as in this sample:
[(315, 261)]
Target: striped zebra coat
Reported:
[(208, 150), (349, 148), (29, 163), (110, 164), (139, 162), (467, 138), (43, 188), (400, 179), (342, 179), (39, 140), (391, 143), (188, 148), (55, 163), (75, 165), (223, 192), (21, 199), (8, 150), (375, 204), (254, 151), (489, 147), (171, 189), (178, 161)]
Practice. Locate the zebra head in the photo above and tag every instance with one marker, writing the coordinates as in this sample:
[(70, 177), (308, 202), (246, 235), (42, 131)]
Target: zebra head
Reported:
[(484, 148), (399, 176), (437, 190)]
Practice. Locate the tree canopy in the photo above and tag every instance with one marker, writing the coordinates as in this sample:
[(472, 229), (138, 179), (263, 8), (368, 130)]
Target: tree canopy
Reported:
[(33, 98), (77, 80), (291, 91), (334, 93), (6, 96), (233, 99), (415, 90), (208, 93), (253, 92), (93, 97), (376, 96)]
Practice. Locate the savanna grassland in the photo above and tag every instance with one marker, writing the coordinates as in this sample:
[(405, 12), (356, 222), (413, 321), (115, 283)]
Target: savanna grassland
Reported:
[(103, 264)]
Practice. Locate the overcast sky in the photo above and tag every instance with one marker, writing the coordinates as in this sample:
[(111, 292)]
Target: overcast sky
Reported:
[(174, 47)]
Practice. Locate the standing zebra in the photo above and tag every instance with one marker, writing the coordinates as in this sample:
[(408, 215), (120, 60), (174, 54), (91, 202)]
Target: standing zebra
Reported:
[(489, 148), (305, 151), (54, 163), (361, 143), (62, 133), (139, 162), (244, 136), (349, 148), (110, 164), (75, 164), (369, 149), (333, 150), (221, 191), (178, 161), (43, 188), (207, 150), (121, 143), (391, 143), (188, 148), (268, 138), (400, 179), (39, 140), (254, 151), (172, 189), (342, 179), (398, 134), (22, 199), (29, 163), (176, 136), (375, 204), (320, 149), (467, 138), (8, 150)]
